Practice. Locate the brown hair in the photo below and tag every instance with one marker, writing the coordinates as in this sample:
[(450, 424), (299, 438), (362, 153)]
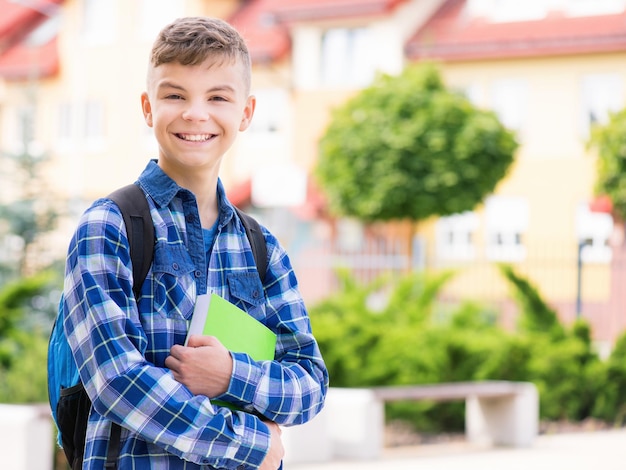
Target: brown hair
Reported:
[(191, 40)]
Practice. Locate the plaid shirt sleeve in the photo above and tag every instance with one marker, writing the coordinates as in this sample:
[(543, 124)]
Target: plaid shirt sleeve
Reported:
[(291, 389), (109, 345)]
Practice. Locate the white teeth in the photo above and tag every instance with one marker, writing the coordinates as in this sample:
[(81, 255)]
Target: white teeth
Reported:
[(195, 137)]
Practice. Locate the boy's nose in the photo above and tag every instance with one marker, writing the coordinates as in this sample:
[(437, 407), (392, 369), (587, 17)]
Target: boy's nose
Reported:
[(196, 111)]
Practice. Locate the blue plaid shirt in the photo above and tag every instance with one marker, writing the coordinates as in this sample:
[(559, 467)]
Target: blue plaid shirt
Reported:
[(120, 344)]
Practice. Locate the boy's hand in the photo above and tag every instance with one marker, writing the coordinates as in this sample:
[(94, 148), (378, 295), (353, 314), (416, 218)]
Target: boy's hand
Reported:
[(277, 451), (204, 366)]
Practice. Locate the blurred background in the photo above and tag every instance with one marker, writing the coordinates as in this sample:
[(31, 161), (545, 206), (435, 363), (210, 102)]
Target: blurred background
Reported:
[(450, 172)]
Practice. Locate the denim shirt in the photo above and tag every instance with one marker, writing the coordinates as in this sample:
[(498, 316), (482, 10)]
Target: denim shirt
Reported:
[(120, 344)]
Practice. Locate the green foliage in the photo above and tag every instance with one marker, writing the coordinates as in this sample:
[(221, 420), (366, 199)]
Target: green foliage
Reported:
[(536, 316), (24, 329), (410, 342), (25, 381), (610, 141), (561, 360), (611, 403), (416, 340), (407, 147)]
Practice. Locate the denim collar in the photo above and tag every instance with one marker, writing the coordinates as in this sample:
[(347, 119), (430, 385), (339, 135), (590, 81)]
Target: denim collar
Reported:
[(162, 189)]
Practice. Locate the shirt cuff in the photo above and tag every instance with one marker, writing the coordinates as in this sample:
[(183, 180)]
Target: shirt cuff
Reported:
[(244, 381), (253, 446)]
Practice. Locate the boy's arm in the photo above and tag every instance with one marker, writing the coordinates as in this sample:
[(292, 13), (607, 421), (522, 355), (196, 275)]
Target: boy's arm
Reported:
[(289, 390), (108, 343)]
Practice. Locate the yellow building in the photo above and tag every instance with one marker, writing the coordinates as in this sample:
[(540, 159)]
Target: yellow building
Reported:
[(549, 69)]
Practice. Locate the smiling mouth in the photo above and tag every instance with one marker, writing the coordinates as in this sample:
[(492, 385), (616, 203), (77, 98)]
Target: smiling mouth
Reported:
[(195, 137)]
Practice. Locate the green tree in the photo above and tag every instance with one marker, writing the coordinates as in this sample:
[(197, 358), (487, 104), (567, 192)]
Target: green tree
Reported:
[(610, 142), (26, 211), (408, 148)]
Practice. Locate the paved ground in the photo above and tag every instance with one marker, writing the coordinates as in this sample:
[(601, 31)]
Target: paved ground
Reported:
[(599, 450)]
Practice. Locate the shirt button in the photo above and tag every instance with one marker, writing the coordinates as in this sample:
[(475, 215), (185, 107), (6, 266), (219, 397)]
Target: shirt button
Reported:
[(175, 266), (197, 274), (241, 467), (255, 294), (190, 218)]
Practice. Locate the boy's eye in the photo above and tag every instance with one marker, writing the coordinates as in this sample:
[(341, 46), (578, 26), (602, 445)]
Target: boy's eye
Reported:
[(173, 97), (217, 98)]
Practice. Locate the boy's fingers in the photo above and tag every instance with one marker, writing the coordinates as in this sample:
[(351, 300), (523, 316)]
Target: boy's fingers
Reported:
[(196, 341)]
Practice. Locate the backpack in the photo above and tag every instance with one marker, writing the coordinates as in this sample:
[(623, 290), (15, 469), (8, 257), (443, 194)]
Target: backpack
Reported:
[(69, 402)]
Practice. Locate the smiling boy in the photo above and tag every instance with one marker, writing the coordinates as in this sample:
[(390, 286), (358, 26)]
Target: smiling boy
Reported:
[(129, 352)]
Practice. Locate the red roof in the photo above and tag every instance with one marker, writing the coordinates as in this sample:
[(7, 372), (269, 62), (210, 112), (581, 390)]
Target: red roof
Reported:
[(451, 35), (19, 60), (264, 23)]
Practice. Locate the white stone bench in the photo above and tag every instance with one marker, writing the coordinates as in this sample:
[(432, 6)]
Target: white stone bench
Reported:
[(26, 437), (352, 423), (497, 413)]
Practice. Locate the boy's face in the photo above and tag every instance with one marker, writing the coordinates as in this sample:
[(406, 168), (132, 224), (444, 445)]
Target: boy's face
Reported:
[(196, 112)]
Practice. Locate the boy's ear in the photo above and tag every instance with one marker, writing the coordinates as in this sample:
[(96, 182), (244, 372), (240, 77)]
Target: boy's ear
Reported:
[(248, 112), (146, 107)]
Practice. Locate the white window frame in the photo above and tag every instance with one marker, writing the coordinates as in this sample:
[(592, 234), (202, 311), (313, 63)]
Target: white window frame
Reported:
[(81, 124), (506, 224), (602, 93), (94, 125), (99, 22), (346, 59), (271, 112), (594, 7), (455, 236), (509, 100), (594, 229), (155, 14), (504, 11)]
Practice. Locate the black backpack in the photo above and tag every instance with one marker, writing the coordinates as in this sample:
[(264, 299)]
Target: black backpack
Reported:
[(74, 405)]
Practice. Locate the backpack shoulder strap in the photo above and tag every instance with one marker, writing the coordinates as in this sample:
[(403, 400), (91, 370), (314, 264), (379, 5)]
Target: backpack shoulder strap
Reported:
[(257, 241), (135, 210), (136, 213)]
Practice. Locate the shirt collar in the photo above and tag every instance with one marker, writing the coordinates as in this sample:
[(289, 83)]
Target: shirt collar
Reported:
[(162, 189)]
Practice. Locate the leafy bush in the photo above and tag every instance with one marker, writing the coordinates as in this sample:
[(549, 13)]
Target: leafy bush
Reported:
[(414, 340), (562, 360), (25, 321), (611, 402)]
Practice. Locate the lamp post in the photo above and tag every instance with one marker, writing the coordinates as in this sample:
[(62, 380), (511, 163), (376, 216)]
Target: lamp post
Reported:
[(581, 245)]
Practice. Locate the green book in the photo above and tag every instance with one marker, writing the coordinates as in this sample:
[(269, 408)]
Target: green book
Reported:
[(236, 330)]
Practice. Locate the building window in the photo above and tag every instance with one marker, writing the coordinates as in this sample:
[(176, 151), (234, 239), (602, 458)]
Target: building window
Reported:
[(82, 124), (346, 58), (594, 7), (271, 111), (594, 230), (25, 127), (20, 133), (509, 99), (601, 94), (65, 122), (506, 223), (99, 21), (93, 122), (455, 236), (509, 10), (155, 14)]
